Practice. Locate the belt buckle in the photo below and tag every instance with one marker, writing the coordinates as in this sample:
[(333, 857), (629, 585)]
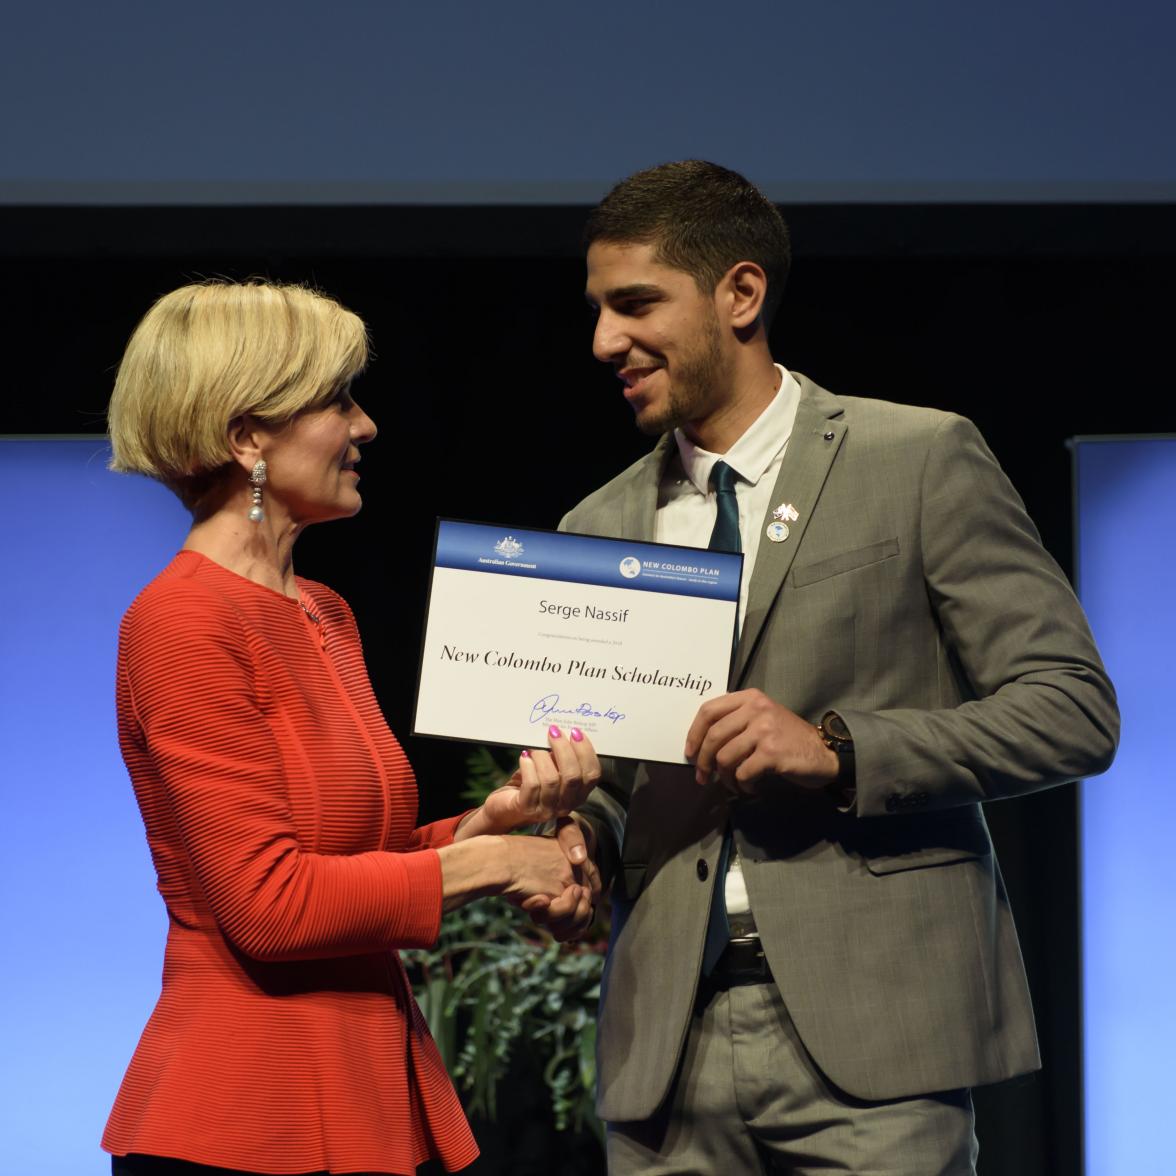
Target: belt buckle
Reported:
[(743, 962)]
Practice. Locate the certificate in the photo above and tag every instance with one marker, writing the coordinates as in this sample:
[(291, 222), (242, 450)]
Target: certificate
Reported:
[(620, 638)]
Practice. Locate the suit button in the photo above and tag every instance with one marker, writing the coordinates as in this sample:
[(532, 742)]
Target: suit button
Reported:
[(919, 800), (703, 870), (893, 802)]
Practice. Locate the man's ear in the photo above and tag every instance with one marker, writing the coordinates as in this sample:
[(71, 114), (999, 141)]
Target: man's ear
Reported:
[(740, 294), (245, 438)]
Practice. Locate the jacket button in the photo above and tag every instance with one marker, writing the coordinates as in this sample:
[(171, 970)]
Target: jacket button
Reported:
[(893, 802), (703, 870)]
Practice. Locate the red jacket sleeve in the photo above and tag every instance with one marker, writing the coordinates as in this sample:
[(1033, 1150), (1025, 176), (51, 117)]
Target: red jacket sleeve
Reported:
[(436, 834), (190, 678)]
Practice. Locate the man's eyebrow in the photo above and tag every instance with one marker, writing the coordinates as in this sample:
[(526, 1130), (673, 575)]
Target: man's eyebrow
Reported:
[(636, 290)]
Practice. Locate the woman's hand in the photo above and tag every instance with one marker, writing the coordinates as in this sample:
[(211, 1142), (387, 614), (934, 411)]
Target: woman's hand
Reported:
[(539, 869), (548, 785), (526, 870)]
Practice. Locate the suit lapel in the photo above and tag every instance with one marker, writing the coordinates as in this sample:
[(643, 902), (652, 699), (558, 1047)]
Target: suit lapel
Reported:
[(639, 505), (802, 477)]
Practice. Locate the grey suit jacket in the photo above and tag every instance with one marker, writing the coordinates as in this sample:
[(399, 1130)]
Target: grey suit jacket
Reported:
[(913, 596)]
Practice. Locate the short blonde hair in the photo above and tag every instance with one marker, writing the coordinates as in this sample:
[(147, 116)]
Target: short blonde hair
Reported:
[(210, 352)]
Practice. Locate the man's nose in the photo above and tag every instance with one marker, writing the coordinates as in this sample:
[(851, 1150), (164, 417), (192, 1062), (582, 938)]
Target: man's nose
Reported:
[(609, 340)]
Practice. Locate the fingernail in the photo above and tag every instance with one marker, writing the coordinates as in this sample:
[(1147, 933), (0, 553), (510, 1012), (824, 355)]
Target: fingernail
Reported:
[(554, 731), (525, 753), (577, 853), (577, 735)]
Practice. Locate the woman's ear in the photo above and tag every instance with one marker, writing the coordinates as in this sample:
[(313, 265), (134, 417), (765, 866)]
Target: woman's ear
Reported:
[(245, 439)]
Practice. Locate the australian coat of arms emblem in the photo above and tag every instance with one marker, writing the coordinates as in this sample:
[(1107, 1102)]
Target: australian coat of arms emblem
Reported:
[(509, 547)]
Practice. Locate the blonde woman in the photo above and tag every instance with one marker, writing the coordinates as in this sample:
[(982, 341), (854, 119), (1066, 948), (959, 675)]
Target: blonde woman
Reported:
[(279, 808)]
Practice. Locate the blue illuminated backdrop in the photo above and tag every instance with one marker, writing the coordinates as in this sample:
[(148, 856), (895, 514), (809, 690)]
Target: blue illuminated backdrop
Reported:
[(83, 926), (1126, 570)]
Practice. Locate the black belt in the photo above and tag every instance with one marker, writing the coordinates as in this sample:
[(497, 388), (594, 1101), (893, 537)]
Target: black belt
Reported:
[(742, 962)]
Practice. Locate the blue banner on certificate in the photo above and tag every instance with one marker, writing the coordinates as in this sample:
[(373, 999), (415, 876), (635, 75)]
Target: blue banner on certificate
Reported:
[(622, 639)]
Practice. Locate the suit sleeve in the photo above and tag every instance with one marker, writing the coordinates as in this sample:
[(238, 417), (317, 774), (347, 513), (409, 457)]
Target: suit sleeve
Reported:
[(189, 676), (1042, 710)]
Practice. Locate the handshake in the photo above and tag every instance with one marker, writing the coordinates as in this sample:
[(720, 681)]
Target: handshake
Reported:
[(551, 877)]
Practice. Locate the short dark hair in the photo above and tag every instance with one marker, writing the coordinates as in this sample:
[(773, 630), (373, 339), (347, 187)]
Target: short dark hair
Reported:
[(700, 218)]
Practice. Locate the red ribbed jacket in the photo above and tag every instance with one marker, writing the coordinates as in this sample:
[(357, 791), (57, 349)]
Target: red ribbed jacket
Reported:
[(280, 812)]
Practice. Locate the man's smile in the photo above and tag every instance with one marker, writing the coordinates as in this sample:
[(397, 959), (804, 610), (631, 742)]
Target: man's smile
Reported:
[(636, 379)]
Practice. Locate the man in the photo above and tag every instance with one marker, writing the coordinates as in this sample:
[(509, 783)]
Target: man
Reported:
[(812, 956)]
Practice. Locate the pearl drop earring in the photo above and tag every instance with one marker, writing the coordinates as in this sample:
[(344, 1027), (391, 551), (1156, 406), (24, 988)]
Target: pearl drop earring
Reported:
[(257, 480)]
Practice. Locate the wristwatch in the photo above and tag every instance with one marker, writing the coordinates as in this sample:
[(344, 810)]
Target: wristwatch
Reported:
[(836, 737)]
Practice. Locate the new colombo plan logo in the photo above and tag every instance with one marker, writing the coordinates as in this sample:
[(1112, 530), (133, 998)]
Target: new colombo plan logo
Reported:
[(630, 567), (509, 547)]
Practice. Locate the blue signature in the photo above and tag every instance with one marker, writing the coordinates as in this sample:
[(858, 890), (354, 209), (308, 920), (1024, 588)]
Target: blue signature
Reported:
[(548, 705)]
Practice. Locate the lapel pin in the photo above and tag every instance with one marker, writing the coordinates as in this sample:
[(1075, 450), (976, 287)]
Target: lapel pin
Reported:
[(777, 532), (786, 512)]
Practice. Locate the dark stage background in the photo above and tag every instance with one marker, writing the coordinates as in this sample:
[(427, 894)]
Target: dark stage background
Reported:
[(1037, 322)]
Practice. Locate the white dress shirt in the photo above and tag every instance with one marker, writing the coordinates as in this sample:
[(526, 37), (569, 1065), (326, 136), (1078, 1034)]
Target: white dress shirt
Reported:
[(687, 508), (686, 504)]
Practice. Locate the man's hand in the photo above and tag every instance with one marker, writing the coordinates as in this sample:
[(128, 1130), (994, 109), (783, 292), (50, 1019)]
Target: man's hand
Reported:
[(746, 737), (569, 915)]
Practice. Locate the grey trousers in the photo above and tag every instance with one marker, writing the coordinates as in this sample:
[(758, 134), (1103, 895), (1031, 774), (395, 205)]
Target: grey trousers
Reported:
[(749, 1099)]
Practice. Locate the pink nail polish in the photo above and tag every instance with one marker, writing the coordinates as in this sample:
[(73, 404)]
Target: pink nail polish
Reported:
[(525, 753), (577, 735), (554, 731)]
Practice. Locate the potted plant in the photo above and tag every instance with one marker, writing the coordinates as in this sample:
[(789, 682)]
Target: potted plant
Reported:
[(502, 997)]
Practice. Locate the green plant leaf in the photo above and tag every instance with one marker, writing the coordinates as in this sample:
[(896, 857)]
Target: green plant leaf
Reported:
[(494, 981)]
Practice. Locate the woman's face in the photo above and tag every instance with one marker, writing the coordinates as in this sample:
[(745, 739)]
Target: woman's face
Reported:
[(311, 461)]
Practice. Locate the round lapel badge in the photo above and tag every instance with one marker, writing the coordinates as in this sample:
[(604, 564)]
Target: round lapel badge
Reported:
[(777, 532)]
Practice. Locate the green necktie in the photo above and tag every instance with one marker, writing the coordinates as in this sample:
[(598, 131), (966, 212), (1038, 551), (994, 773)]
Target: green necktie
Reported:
[(724, 537)]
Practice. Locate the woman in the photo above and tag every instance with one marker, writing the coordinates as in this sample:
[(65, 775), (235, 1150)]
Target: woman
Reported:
[(279, 807)]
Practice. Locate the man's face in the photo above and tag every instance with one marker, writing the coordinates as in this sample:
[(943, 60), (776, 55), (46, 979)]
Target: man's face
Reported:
[(659, 332)]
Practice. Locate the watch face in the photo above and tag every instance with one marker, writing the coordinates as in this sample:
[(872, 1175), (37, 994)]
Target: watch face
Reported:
[(834, 726)]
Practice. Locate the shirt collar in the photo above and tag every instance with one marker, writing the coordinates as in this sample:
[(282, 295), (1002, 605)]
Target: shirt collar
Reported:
[(753, 454)]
